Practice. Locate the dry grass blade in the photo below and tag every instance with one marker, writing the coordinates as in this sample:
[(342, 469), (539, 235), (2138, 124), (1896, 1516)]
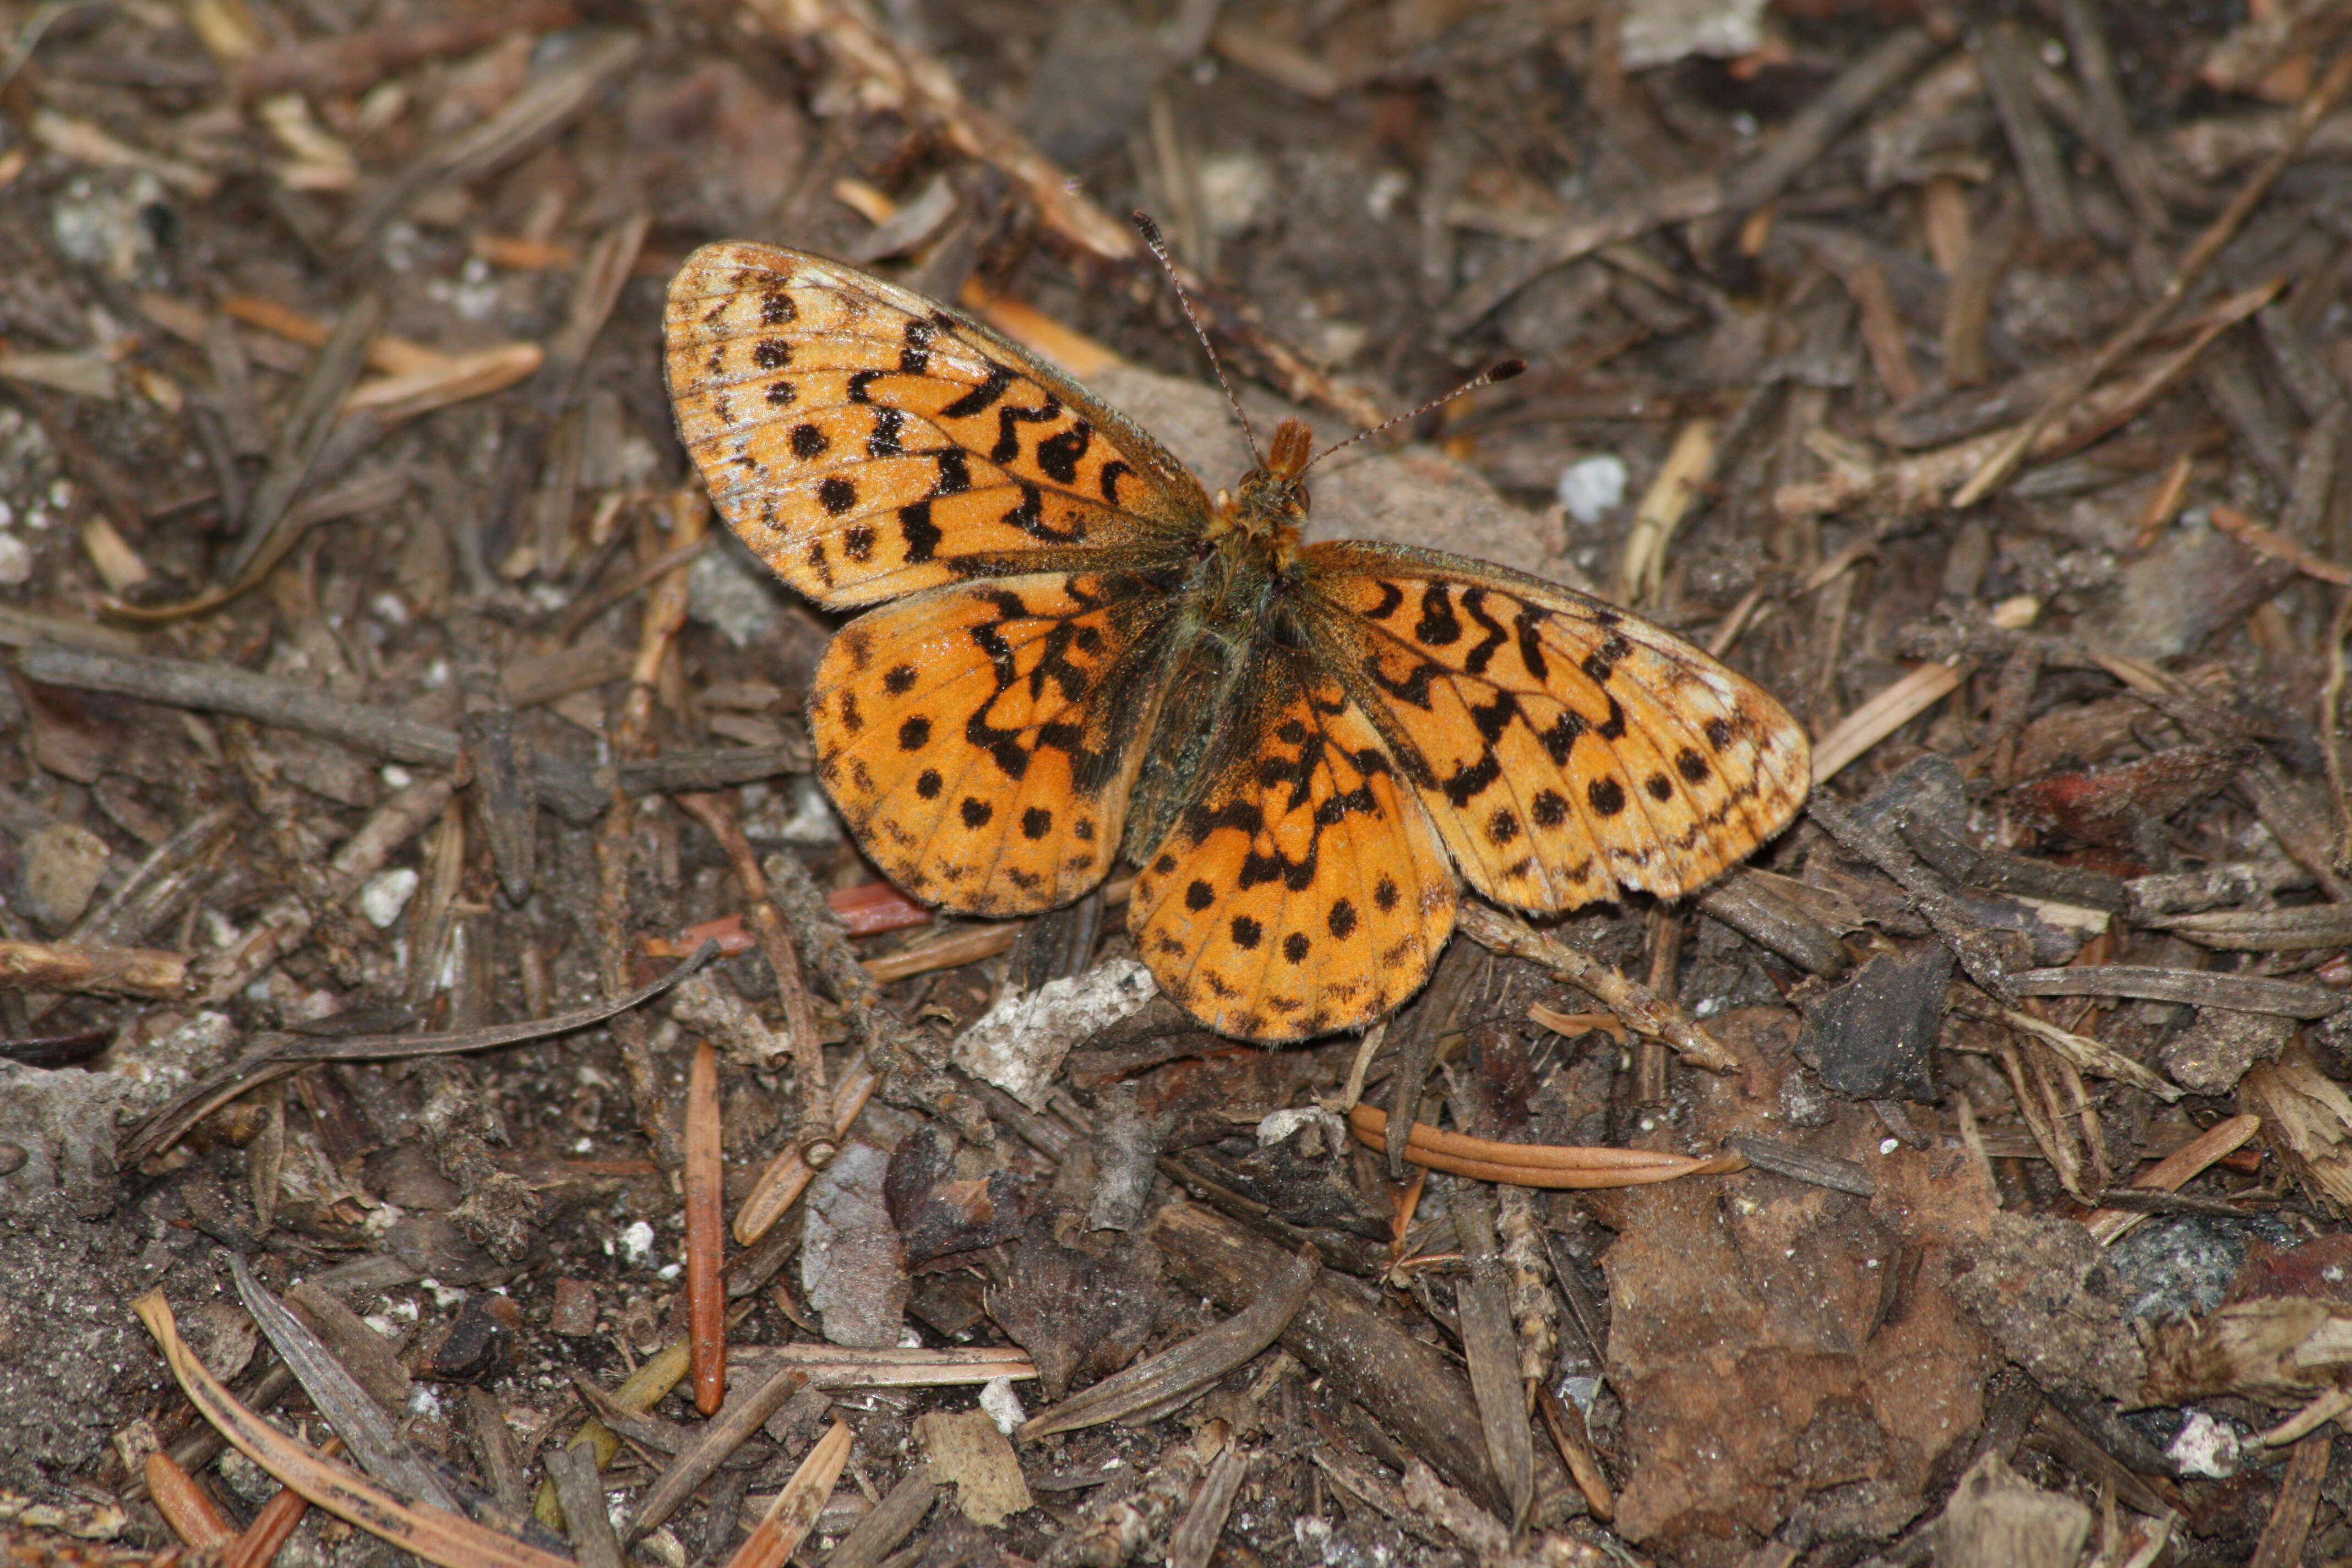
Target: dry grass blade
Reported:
[(2095, 1057), (741, 1417), (873, 1538), (2278, 546), (1889, 711), (949, 949), (435, 1534), (789, 1173), (839, 1366), (1644, 1012), (586, 1514), (2289, 1525), (274, 1524), (2198, 988), (640, 1391), (1490, 1349), (1532, 1164), (58, 967), (1183, 1368), (2266, 931), (279, 1055), (1669, 498), (1194, 1540), (2169, 1174), (362, 1423), (787, 1523), (191, 1513), (706, 1233)]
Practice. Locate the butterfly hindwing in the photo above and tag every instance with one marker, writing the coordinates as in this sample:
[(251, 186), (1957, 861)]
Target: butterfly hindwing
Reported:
[(1301, 891), (981, 738), (866, 442), (1563, 748)]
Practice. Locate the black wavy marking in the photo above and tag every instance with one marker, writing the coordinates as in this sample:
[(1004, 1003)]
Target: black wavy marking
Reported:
[(1490, 630), (1029, 517), (1059, 454), (1072, 680), (983, 398), (1288, 783), (1008, 427)]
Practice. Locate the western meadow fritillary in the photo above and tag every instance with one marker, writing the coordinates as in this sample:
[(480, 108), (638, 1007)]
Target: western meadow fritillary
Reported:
[(1075, 652)]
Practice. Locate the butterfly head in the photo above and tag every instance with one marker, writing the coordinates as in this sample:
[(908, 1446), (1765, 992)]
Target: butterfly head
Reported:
[(1271, 502)]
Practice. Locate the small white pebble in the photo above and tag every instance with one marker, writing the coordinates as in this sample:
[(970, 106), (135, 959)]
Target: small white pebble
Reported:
[(394, 776), (386, 894), (1592, 488), (1003, 1406), (1278, 1125), (637, 1243), (1888, 1146), (2204, 1447), (15, 561), (669, 1271)]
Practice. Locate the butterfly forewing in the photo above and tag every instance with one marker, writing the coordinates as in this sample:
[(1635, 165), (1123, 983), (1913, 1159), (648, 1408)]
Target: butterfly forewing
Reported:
[(1301, 891), (981, 738), (866, 442), (1565, 750)]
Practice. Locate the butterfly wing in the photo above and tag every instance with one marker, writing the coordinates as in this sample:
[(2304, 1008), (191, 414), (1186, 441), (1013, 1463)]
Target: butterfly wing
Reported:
[(1301, 891), (980, 738), (866, 442), (1564, 749)]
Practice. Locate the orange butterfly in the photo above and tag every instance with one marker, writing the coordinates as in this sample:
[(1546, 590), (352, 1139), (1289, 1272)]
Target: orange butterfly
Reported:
[(1082, 654)]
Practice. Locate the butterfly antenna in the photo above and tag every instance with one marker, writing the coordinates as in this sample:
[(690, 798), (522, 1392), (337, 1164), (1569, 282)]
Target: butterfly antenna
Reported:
[(1151, 237), (1504, 371)]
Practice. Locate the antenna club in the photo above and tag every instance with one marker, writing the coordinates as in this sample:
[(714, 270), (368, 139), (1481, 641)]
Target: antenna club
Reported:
[(1508, 370), (1150, 231)]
